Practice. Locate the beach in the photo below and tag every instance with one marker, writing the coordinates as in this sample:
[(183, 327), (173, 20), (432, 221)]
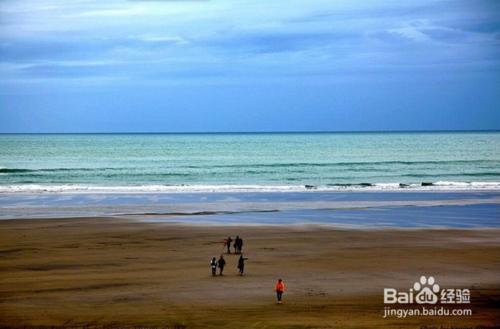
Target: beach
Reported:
[(122, 273), (118, 230)]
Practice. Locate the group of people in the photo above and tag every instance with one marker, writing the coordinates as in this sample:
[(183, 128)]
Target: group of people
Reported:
[(221, 262), (238, 246)]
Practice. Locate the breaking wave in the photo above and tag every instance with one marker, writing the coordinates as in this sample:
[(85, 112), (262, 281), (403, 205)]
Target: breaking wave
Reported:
[(81, 188)]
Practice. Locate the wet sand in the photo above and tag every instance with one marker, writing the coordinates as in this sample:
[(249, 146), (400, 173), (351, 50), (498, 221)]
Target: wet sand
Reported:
[(112, 272)]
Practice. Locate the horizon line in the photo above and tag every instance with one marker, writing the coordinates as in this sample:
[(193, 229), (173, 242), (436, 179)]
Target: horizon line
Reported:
[(251, 132)]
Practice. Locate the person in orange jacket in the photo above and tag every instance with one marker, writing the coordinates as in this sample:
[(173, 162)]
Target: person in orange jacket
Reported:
[(280, 289)]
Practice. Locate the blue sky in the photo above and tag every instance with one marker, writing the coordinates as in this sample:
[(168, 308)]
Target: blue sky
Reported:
[(187, 65)]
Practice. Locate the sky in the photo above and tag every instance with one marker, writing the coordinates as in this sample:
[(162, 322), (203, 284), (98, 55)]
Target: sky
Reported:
[(217, 65)]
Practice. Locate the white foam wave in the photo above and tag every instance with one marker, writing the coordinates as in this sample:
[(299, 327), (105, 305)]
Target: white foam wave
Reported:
[(388, 186), (74, 188)]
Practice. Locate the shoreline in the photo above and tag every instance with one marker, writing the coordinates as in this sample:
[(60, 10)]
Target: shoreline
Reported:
[(292, 226), (339, 209)]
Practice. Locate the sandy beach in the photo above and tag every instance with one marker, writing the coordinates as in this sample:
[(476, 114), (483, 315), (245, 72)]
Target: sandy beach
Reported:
[(121, 273)]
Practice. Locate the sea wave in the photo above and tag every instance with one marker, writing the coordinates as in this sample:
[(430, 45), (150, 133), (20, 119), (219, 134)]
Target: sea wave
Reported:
[(256, 166), (14, 170), (24, 170), (80, 188)]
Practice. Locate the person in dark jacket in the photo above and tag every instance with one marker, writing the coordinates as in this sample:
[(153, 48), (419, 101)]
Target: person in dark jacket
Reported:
[(213, 266), (221, 263), (240, 245), (241, 264), (236, 245), (228, 244)]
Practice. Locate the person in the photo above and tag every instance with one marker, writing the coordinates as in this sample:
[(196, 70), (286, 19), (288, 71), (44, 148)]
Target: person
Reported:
[(213, 266), (236, 244), (240, 245), (221, 263), (241, 264), (228, 244), (280, 289)]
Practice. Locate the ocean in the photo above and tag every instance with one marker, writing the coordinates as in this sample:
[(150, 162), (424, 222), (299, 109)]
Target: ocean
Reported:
[(341, 179), (249, 162)]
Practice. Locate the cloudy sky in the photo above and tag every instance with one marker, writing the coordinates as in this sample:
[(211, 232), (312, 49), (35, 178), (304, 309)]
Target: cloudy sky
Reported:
[(216, 65)]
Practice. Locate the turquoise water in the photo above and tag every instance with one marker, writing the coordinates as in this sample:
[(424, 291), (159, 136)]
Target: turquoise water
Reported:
[(249, 162)]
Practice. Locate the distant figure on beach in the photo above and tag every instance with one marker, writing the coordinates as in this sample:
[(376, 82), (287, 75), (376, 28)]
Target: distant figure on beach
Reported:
[(213, 266), (221, 263), (241, 264), (280, 289), (228, 244), (238, 244)]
